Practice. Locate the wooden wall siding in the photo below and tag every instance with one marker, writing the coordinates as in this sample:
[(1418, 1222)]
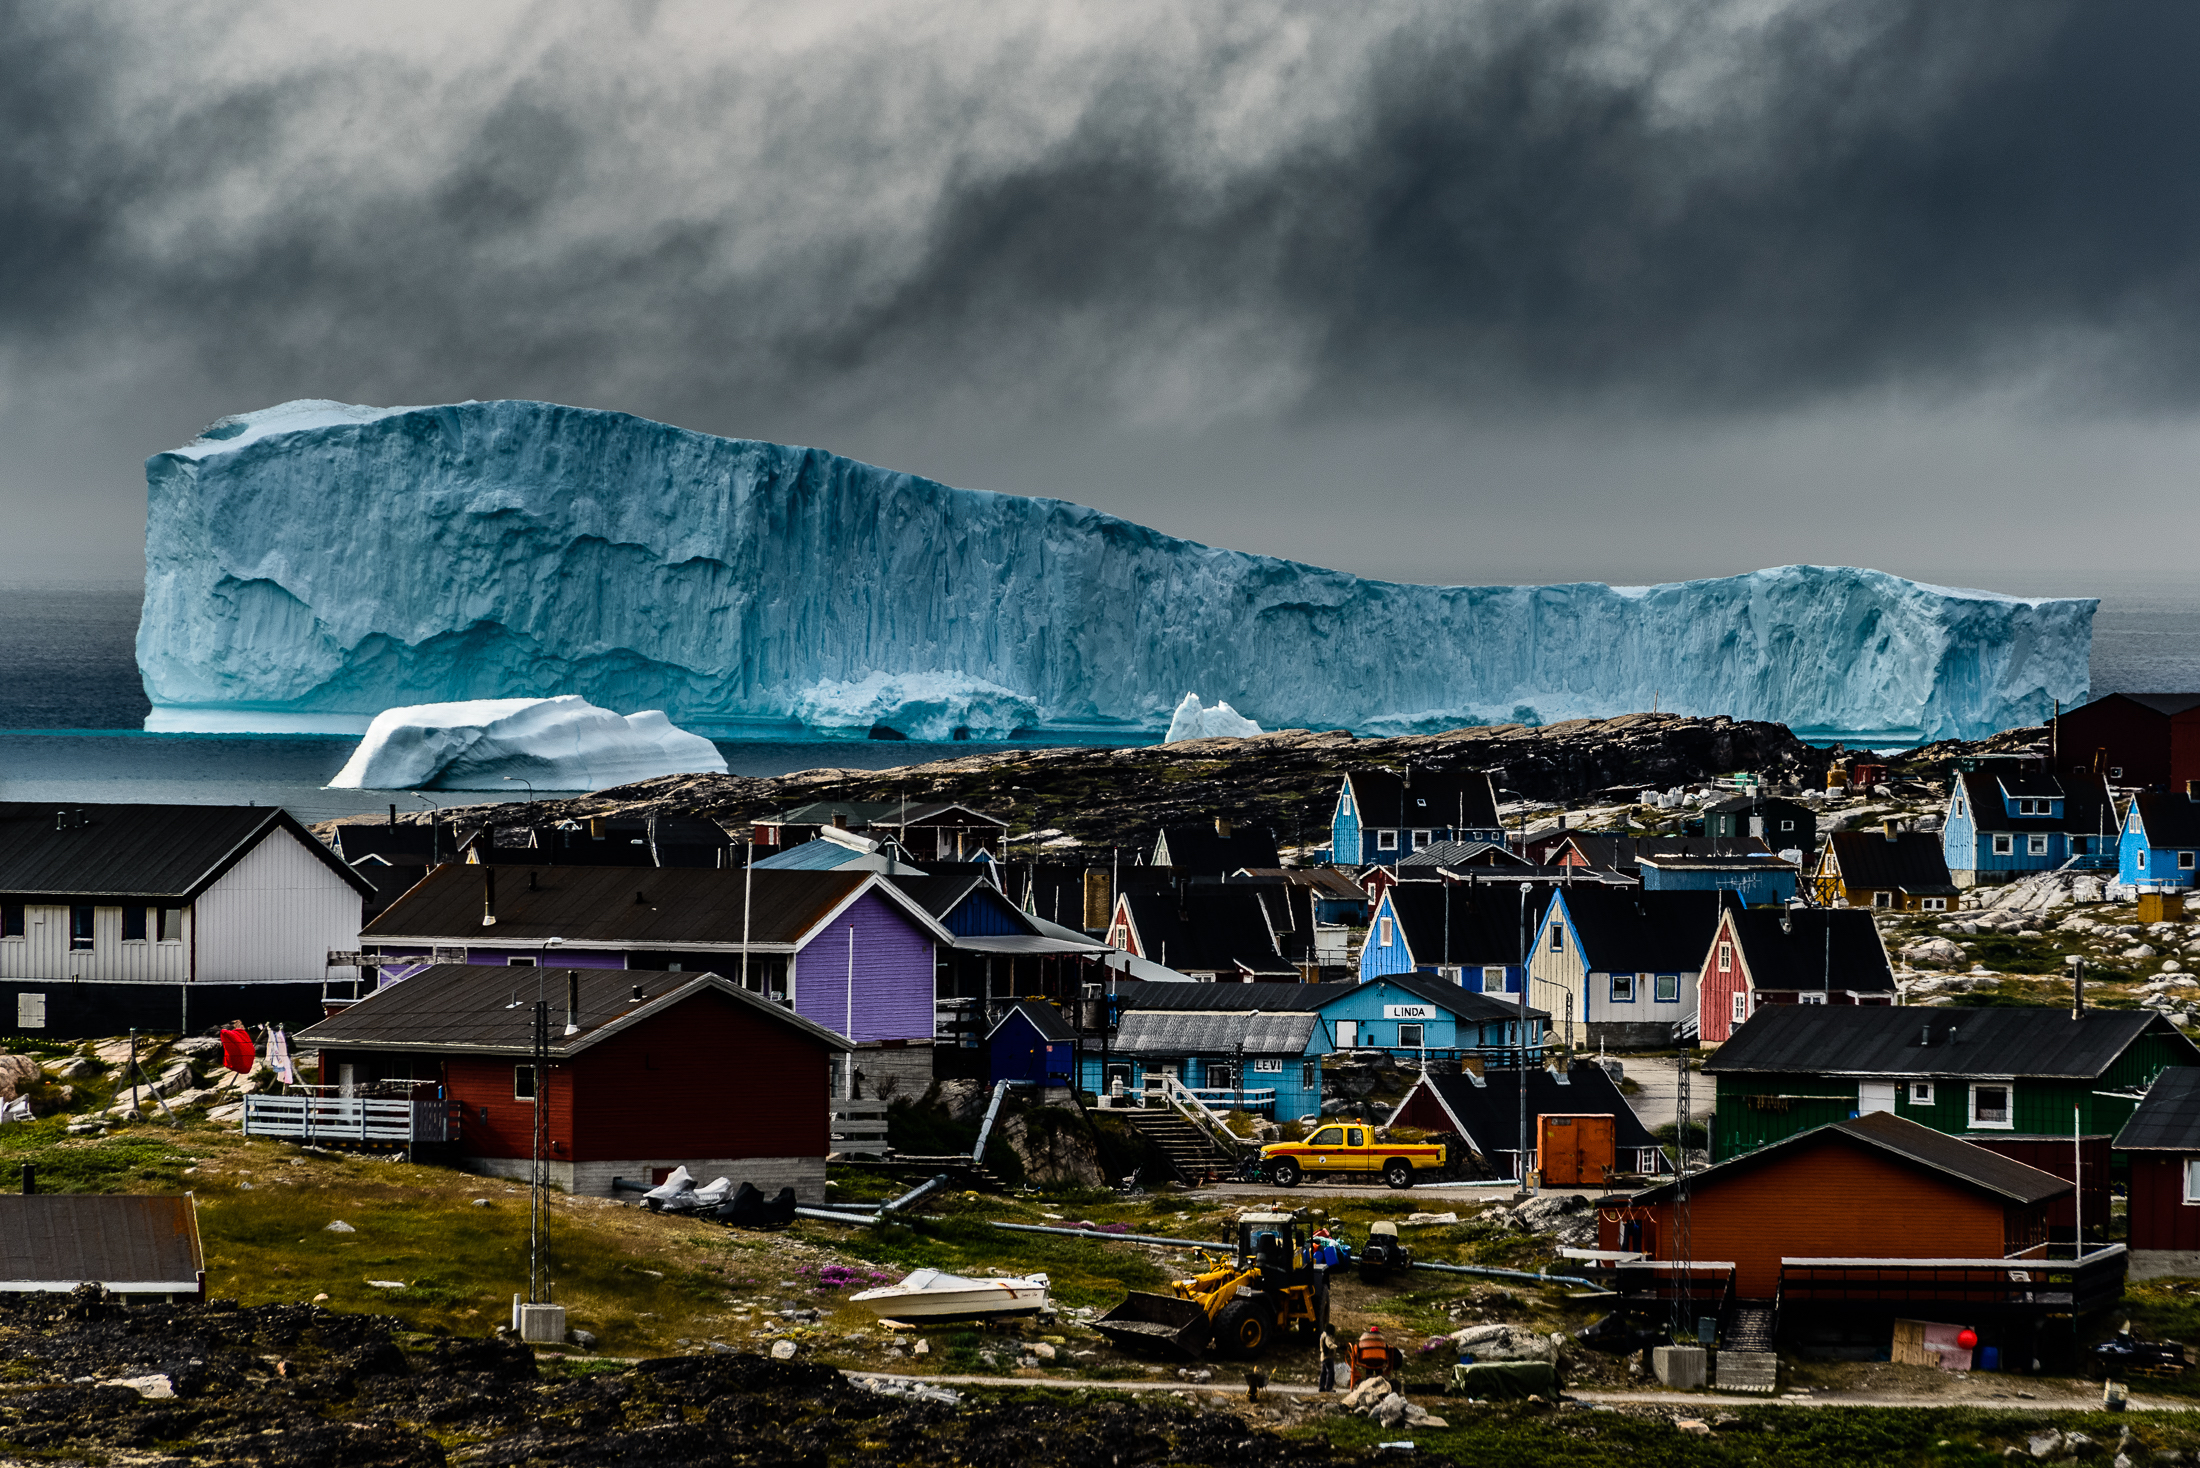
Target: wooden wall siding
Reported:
[(275, 915), (710, 1078), (1344, 832), (496, 1123), (567, 958), (1378, 958), (1555, 980), (43, 951), (2159, 1216), (1833, 1201), (2053, 1154), (893, 975), (985, 915)]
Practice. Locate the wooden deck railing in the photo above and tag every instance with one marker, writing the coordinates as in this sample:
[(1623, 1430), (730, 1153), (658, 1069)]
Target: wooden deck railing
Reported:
[(352, 1119)]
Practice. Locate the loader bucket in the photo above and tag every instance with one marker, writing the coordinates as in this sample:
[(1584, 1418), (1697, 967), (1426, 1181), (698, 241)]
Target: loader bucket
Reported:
[(1156, 1320)]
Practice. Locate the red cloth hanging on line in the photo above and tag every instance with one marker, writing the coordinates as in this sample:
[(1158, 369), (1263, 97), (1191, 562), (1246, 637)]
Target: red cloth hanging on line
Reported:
[(237, 1051)]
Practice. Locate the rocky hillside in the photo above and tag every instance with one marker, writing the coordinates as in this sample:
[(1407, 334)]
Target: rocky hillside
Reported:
[(1286, 780)]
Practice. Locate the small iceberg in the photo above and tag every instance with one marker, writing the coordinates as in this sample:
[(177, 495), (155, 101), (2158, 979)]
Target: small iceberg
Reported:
[(564, 743), (1194, 720)]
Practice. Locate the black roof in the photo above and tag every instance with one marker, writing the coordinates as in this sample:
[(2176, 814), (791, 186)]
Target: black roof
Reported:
[(1627, 928), (656, 907), (1912, 861), (1813, 948), (1464, 853), (164, 852), (1874, 1039), (1747, 804), (1898, 1137), (1271, 997), (940, 895), (1468, 1004), (2161, 703), (485, 1008), (2088, 808), (355, 840), (893, 814), (1209, 929), (1456, 923), (2169, 820), (1204, 851), (1622, 853), (1041, 1016), (2169, 1118), (1460, 799), (1488, 1107)]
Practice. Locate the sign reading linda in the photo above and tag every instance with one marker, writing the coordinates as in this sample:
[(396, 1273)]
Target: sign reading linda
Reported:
[(1410, 1011)]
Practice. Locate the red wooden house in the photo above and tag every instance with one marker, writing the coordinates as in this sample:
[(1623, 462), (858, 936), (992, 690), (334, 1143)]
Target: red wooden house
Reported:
[(1788, 955), (2161, 1144), (1877, 1187), (2143, 739), (647, 1072)]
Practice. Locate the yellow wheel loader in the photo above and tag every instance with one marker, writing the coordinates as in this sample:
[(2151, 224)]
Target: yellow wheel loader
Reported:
[(1239, 1307)]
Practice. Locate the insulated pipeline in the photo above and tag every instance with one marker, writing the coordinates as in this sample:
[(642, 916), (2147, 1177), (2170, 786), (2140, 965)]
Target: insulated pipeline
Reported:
[(1476, 1269)]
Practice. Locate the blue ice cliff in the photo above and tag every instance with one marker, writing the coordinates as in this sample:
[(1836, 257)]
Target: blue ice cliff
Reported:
[(310, 565)]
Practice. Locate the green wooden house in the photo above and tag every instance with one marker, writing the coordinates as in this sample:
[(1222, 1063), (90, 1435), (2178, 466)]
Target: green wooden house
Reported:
[(1992, 1076)]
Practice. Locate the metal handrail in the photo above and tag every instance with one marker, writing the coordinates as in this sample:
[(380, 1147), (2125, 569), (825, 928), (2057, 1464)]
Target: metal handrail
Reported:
[(1187, 1104)]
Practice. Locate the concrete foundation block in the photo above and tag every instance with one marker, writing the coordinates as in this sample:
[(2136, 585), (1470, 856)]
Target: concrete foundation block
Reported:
[(1684, 1368), (541, 1325), (1747, 1371)]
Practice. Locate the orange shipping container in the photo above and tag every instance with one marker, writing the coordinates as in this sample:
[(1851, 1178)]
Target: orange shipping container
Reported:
[(1574, 1151)]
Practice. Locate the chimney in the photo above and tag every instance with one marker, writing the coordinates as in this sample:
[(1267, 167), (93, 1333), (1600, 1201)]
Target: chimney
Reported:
[(840, 819), (1562, 820), (1927, 1037), (639, 996), (531, 883), (1888, 826), (572, 1001), (2077, 987), (488, 897), (393, 815), (1222, 827), (641, 899)]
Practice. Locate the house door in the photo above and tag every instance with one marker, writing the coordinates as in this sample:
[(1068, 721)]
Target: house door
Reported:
[(1874, 1096)]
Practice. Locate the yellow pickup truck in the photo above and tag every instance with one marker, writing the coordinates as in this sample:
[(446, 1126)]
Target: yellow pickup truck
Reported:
[(1348, 1147)]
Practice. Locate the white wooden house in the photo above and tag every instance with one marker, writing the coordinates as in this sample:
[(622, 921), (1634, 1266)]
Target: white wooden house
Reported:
[(167, 917)]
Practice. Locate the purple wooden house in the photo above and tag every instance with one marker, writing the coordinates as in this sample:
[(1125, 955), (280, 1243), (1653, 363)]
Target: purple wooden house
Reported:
[(846, 950)]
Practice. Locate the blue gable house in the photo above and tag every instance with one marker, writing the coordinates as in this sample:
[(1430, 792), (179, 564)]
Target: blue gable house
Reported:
[(1381, 816), (2160, 842), (1032, 1043), (1468, 934), (1415, 1017), (2004, 821)]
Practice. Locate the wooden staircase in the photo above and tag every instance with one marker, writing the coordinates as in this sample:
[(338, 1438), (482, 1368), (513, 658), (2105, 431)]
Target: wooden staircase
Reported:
[(1193, 1155), (1746, 1362)]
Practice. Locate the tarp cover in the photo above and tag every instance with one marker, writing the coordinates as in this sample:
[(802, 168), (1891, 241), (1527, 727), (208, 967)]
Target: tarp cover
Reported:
[(1506, 1381)]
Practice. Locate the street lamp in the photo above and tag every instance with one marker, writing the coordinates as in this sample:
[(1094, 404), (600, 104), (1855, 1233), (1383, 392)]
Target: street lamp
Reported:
[(510, 779), (1520, 1078)]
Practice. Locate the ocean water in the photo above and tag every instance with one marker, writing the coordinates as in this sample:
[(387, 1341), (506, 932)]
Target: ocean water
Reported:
[(72, 710)]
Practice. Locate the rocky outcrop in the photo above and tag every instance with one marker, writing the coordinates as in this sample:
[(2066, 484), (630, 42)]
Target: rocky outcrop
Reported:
[(1285, 780)]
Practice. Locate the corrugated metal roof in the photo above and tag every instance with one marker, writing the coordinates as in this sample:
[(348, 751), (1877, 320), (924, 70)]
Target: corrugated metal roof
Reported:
[(157, 852), (127, 1243), (481, 1007), (1883, 1131), (1270, 997), (1163, 1032), (1870, 1039), (2169, 1118), (831, 856), (657, 907)]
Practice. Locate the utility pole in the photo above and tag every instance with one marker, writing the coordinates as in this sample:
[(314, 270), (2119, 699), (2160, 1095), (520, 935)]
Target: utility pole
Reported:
[(748, 885), (1684, 1326), (1520, 1080), (538, 1199)]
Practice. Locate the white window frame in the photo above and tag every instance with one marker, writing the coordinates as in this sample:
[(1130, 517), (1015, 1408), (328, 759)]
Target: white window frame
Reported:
[(1740, 1010), (1386, 840), (1493, 972), (1921, 1093), (1658, 994), (2184, 861), (1883, 900), (2035, 846), (1815, 997), (1558, 937), (2008, 1091), (1623, 988), (527, 1071), (1420, 840), (2192, 1181), (1726, 958), (1384, 924), (2005, 845), (2142, 858), (1959, 805), (1410, 1037)]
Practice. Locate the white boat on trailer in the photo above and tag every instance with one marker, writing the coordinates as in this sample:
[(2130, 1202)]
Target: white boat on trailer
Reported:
[(929, 1294)]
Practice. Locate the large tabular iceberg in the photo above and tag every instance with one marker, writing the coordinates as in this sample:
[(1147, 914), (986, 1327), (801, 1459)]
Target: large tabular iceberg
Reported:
[(563, 743), (310, 565)]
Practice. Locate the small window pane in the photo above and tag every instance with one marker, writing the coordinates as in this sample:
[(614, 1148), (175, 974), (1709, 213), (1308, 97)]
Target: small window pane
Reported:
[(1623, 988), (1328, 1136), (11, 920), (1741, 1008), (171, 925), (523, 1083), (133, 925), (80, 928), (1669, 988), (1409, 1037)]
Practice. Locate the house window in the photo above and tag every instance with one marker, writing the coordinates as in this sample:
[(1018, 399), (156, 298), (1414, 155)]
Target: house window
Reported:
[(1882, 899), (1935, 904), (1384, 927), (11, 920), (171, 925), (2115, 772), (1310, 1074), (1959, 805), (2192, 1180), (1268, 1067), (1787, 825), (1741, 1008), (1921, 1093), (2142, 858), (2035, 846), (1409, 1037), (133, 925), (1348, 1033), (1558, 938), (2184, 861), (1669, 989), (2004, 845), (519, 963), (1810, 998), (1420, 840), (1623, 988), (1119, 937), (523, 1083), (80, 929), (1990, 1105), (1726, 958), (2080, 845), (1386, 840), (1493, 980)]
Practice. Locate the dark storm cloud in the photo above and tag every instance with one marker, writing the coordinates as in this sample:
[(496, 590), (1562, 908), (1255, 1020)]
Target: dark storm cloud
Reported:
[(1412, 209)]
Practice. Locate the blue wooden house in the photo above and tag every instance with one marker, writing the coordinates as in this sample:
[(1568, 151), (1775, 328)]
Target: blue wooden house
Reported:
[(1381, 816), (1468, 934), (1416, 1017), (1759, 879), (1617, 966), (1031, 1042), (2160, 841), (2007, 820)]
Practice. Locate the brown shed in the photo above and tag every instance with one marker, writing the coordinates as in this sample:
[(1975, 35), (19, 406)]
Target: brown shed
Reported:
[(1877, 1187), (1575, 1151), (2161, 1143)]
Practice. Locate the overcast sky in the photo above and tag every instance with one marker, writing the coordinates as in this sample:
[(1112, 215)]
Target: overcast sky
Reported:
[(1439, 292)]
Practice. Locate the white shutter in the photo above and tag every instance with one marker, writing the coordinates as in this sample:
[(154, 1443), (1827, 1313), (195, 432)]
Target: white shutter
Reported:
[(1874, 1096)]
